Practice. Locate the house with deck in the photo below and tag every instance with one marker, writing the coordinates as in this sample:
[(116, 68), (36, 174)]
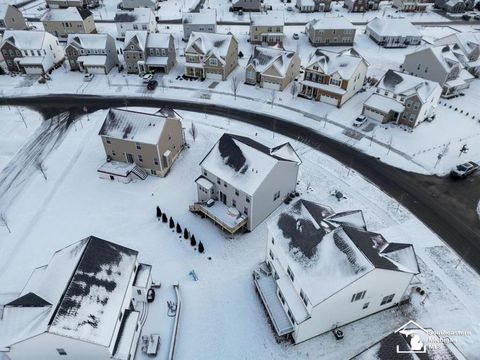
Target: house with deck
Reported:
[(31, 52), (62, 22), (330, 31), (403, 99), (323, 269), (393, 33), (361, 5), (11, 18), (272, 67), (152, 142), (243, 181), (203, 21), (91, 53), (211, 55), (140, 19), (267, 29), (333, 77), (89, 301)]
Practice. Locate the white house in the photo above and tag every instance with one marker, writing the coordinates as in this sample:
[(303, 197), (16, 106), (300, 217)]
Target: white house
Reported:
[(466, 46), (393, 33), (138, 19), (204, 21), (243, 181), (403, 99), (324, 270), (133, 4), (31, 52), (86, 303)]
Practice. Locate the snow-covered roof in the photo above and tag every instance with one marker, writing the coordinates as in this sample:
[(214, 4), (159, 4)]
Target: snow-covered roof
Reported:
[(384, 103), (25, 39), (138, 15), (403, 84), (345, 63), (393, 27), (330, 23), (209, 43), (67, 14), (132, 125), (467, 41), (204, 17), (88, 41), (327, 251), (3, 10), (264, 57), (158, 40), (273, 18), (139, 37), (93, 60), (244, 163)]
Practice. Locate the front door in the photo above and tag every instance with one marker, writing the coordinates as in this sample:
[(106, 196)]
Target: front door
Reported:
[(130, 158), (223, 198)]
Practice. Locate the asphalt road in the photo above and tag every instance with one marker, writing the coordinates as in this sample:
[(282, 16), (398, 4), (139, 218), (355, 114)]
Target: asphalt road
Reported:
[(446, 206)]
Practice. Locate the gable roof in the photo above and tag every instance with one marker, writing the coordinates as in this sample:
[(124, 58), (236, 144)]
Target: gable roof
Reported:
[(393, 27), (4, 8), (29, 300), (329, 62), (401, 83), (243, 162), (26, 39), (132, 125), (273, 18), (263, 58), (139, 38), (209, 43), (201, 18), (328, 23), (138, 15), (158, 40), (67, 14), (88, 41)]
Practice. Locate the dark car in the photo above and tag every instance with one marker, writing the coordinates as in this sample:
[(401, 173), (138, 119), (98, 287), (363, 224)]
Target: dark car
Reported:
[(152, 84), (150, 295), (464, 170)]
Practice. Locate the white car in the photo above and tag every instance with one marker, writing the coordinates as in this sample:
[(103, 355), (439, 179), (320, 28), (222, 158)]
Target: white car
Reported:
[(295, 36), (88, 77), (147, 78), (359, 121)]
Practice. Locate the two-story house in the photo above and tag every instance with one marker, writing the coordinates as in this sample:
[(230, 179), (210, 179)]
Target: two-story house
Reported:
[(267, 29), (91, 53), (411, 5), (324, 269), (402, 99), (133, 4), (247, 5), (272, 67), (466, 46), (455, 6), (314, 5), (393, 33), (63, 4), (87, 302), (243, 181), (31, 52), (62, 22), (11, 18), (330, 31), (439, 64), (361, 5), (211, 55), (140, 19), (203, 21), (151, 141), (333, 77)]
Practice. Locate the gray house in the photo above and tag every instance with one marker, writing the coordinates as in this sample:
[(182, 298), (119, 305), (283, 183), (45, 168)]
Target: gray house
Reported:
[(149, 52), (243, 181), (151, 141), (361, 5), (61, 22), (92, 53), (455, 6), (11, 18), (205, 21), (393, 33), (439, 64), (330, 31)]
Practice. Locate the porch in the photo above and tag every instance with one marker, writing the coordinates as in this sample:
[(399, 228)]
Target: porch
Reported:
[(228, 218), (194, 70)]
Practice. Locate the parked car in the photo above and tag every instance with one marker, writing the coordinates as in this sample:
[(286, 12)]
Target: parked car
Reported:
[(147, 78), (150, 295), (152, 85), (477, 17), (466, 17), (295, 36), (88, 77), (463, 170), (289, 8), (359, 121)]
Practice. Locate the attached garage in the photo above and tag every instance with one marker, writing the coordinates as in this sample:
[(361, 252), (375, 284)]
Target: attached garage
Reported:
[(270, 85), (372, 114), (214, 76), (94, 64), (378, 107), (95, 69), (329, 100), (33, 70)]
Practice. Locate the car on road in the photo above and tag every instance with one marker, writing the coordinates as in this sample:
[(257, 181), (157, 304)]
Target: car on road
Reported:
[(477, 17), (295, 36), (466, 17), (359, 121), (88, 77), (147, 77), (152, 85), (463, 170)]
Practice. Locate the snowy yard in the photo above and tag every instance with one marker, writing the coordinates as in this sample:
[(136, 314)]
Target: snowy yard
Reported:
[(222, 316)]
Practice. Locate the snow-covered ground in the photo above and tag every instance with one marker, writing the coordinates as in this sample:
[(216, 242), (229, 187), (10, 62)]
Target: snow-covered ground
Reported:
[(16, 126), (222, 317)]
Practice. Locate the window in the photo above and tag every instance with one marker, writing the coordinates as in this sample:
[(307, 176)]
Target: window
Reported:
[(365, 305), (272, 256), (335, 82), (204, 173), (247, 199), (155, 161), (114, 153), (61, 352), (224, 184), (273, 241), (358, 296), (280, 295), (109, 141), (245, 210), (120, 316), (144, 27), (276, 195), (140, 158), (234, 203), (139, 292), (387, 299), (218, 181), (236, 192), (304, 297), (138, 146), (290, 315), (213, 62), (290, 273)]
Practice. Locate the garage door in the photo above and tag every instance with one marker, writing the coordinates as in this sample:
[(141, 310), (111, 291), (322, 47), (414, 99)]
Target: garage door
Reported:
[(96, 69), (214, 76), (329, 100), (33, 70), (373, 115), (271, 85)]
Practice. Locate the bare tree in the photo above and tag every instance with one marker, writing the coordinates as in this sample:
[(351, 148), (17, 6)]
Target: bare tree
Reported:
[(3, 220), (293, 89), (234, 83), (273, 95), (41, 168), (193, 131)]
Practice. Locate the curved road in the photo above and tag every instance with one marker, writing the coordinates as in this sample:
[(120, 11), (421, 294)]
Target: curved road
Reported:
[(447, 207)]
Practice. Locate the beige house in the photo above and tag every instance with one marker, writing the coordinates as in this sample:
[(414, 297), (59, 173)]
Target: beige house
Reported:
[(151, 141), (210, 55), (11, 18), (411, 5), (272, 68), (330, 31), (62, 22), (267, 29), (332, 77)]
